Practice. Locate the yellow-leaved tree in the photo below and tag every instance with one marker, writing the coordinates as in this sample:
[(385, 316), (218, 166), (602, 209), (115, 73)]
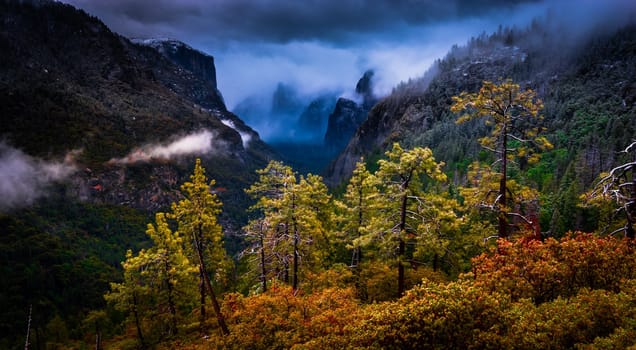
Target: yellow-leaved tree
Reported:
[(196, 216), (513, 114), (403, 202), (293, 224)]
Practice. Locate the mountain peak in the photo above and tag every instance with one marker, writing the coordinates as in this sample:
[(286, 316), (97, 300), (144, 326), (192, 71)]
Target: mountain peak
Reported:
[(183, 55)]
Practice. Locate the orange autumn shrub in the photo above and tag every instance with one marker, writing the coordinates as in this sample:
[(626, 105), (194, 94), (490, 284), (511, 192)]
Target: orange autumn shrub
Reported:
[(543, 271), (280, 318)]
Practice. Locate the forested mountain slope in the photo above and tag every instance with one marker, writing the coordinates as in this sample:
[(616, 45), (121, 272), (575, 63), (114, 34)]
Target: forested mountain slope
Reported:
[(69, 83), (97, 133), (589, 91)]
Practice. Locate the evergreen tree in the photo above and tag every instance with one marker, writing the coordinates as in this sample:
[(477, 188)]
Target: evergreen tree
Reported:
[(295, 222), (357, 206), (276, 206), (196, 216), (157, 281), (512, 113), (402, 200), (132, 295)]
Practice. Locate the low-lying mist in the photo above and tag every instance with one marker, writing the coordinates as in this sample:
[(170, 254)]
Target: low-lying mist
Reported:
[(24, 179), (288, 115), (198, 143)]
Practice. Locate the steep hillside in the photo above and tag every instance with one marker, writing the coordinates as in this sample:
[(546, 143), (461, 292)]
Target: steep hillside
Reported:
[(97, 134), (579, 82), (68, 83), (587, 87)]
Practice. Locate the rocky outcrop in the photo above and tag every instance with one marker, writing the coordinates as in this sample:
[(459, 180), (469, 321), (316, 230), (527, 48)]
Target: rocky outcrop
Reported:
[(348, 115), (314, 118), (343, 122), (364, 88), (194, 61)]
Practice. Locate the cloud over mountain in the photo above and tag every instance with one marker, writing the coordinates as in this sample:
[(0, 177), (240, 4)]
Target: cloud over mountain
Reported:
[(23, 178), (198, 143)]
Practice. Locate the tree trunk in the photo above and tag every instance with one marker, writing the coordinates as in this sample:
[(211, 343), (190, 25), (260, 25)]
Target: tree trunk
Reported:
[(503, 219), (215, 304), (98, 337), (295, 230), (28, 334), (631, 206), (137, 321), (295, 262), (202, 314), (263, 270), (171, 306), (401, 244), (435, 262), (357, 252)]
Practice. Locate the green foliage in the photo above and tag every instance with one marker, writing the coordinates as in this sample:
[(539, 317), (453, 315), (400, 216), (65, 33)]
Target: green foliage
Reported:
[(356, 210), (161, 274), (292, 235), (404, 213), (197, 218), (512, 114), (59, 257)]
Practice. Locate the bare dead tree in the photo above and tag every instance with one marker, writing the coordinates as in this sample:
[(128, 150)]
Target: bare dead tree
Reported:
[(620, 186)]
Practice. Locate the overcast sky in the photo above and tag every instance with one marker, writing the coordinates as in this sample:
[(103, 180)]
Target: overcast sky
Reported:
[(325, 44)]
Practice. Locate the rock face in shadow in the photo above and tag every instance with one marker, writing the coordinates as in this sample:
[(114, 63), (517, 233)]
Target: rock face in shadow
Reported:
[(68, 83), (343, 122), (196, 62), (348, 115)]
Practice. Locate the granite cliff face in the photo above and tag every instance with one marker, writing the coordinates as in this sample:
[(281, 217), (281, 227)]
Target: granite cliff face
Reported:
[(200, 64), (348, 115), (343, 122), (315, 116), (68, 83)]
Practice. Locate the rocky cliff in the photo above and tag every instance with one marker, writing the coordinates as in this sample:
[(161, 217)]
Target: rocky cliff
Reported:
[(68, 83), (348, 114)]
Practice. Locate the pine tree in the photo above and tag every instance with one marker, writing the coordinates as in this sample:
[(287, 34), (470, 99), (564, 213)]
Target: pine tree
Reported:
[(156, 279), (402, 192), (294, 224), (513, 113), (276, 206), (169, 268), (357, 208), (196, 216)]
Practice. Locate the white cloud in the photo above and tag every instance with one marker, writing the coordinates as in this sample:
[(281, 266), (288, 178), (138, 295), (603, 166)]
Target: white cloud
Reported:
[(245, 137), (23, 178), (200, 143)]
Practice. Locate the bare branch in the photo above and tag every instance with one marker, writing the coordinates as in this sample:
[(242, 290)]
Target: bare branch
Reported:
[(521, 216)]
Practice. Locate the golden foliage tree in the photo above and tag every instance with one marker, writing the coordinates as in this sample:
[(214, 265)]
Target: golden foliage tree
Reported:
[(196, 215), (294, 222), (513, 114), (402, 201)]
